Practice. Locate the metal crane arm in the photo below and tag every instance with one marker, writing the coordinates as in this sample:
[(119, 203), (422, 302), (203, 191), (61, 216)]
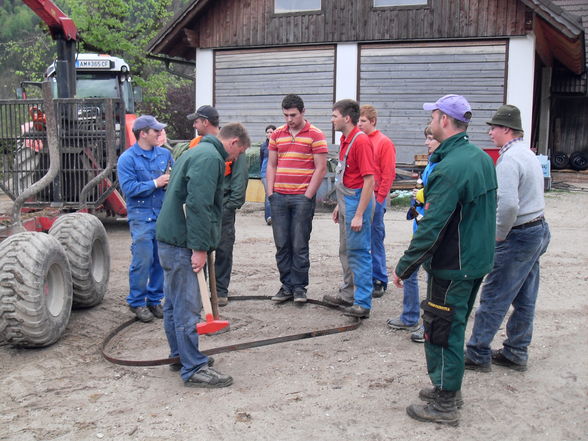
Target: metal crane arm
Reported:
[(59, 24)]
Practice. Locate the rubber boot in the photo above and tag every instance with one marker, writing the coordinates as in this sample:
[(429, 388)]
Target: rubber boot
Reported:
[(429, 394), (442, 410)]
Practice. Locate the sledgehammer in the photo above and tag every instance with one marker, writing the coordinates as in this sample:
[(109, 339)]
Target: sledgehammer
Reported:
[(211, 325)]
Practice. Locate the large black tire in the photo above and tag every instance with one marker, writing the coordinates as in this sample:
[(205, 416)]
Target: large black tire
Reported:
[(579, 161), (560, 161), (35, 290), (85, 242)]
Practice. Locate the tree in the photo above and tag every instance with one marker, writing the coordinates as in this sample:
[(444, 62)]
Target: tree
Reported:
[(117, 27)]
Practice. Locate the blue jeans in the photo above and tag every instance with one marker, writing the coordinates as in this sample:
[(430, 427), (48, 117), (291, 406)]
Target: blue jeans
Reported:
[(267, 206), (292, 224), (181, 310), (356, 247), (514, 280), (410, 301), (379, 271), (145, 273)]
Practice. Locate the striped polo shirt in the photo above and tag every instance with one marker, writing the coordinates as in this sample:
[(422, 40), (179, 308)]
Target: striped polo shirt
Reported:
[(295, 157)]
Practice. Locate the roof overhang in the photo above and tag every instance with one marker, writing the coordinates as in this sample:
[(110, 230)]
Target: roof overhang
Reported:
[(178, 39), (559, 35)]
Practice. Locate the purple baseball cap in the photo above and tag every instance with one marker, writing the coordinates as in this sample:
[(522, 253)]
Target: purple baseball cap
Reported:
[(455, 106)]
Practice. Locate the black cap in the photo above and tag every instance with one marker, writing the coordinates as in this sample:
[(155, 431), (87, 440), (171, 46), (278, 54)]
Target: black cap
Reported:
[(206, 112)]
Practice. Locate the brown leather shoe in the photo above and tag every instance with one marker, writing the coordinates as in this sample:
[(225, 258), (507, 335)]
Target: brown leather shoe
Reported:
[(336, 301), (156, 310), (223, 301), (357, 311), (499, 359), (142, 313)]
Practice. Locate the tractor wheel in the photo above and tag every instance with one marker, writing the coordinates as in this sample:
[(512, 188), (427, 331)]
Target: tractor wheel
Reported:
[(35, 290), (84, 240)]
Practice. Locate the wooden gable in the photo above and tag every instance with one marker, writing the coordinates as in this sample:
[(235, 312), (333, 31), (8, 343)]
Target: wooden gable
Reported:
[(252, 23)]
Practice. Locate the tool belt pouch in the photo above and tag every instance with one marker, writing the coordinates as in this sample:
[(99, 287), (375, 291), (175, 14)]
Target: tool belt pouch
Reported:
[(437, 322)]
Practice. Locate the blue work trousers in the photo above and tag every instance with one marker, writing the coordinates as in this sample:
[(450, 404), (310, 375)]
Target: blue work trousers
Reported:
[(292, 216), (379, 271), (181, 310), (355, 247), (514, 280), (410, 301), (145, 273)]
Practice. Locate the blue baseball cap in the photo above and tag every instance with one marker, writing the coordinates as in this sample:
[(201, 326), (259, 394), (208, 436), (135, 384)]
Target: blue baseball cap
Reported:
[(147, 122), (455, 106)]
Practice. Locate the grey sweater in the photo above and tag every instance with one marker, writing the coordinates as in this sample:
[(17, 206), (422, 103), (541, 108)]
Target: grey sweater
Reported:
[(520, 187)]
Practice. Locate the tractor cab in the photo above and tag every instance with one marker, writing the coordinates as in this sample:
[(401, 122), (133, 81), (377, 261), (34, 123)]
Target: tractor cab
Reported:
[(100, 76)]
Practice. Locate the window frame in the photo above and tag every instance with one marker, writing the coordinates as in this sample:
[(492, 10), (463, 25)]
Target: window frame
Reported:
[(415, 6), (304, 12)]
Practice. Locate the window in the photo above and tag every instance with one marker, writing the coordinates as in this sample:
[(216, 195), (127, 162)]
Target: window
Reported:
[(382, 3), (286, 6)]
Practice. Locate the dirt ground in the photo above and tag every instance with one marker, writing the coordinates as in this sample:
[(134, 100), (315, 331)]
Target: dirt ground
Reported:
[(351, 386)]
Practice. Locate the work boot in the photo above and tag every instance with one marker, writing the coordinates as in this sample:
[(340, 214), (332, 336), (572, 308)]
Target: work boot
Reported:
[(429, 394), (299, 295), (499, 359), (156, 310), (336, 301), (208, 377), (357, 311), (473, 366), (223, 301), (142, 313), (175, 367), (442, 410), (282, 295), (379, 289), (397, 323)]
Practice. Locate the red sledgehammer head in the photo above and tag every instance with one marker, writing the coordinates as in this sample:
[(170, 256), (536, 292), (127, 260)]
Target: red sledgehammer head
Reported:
[(211, 325)]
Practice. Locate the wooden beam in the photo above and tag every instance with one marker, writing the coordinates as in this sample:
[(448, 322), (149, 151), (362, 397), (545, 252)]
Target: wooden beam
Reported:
[(191, 37)]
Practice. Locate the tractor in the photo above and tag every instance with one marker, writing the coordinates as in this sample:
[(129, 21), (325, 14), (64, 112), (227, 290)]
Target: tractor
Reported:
[(59, 157)]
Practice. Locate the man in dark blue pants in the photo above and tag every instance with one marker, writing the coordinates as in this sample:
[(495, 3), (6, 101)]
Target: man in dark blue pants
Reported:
[(143, 175)]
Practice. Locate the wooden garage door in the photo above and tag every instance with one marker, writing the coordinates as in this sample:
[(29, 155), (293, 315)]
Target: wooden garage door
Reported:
[(250, 86), (398, 79)]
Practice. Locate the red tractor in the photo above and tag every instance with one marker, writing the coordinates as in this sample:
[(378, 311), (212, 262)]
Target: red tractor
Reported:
[(59, 158)]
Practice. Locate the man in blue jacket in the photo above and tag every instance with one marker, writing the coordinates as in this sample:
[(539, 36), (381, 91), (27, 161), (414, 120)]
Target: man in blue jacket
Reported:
[(143, 173)]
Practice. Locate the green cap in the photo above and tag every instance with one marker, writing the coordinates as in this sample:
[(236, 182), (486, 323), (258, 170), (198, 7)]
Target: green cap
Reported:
[(507, 116)]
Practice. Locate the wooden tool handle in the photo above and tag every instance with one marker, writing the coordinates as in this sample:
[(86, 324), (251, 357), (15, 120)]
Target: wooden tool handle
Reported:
[(204, 295)]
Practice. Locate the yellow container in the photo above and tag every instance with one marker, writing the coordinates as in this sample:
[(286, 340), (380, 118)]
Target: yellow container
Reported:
[(255, 191)]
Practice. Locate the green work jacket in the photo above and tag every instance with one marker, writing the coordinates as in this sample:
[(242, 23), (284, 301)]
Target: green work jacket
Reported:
[(456, 238), (197, 182)]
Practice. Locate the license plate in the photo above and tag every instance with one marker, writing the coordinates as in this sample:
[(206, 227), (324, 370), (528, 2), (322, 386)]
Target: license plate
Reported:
[(93, 64)]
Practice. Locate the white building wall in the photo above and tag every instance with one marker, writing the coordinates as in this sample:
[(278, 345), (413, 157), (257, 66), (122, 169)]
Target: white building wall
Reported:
[(521, 78), (204, 77), (346, 74)]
